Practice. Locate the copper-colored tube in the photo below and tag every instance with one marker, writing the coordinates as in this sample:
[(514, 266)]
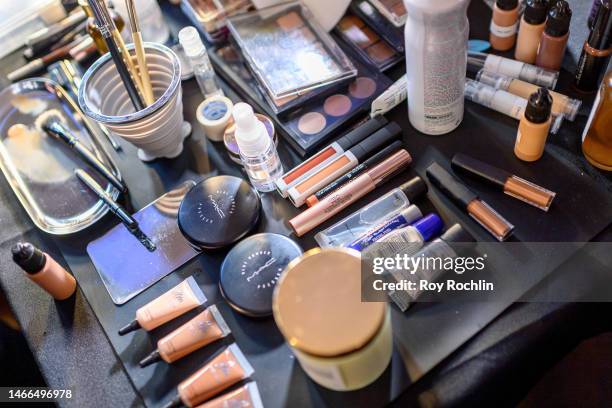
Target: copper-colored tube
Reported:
[(529, 192), (490, 219)]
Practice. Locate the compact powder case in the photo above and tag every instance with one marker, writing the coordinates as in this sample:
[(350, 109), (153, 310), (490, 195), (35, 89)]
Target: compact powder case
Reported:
[(251, 269), (219, 211)]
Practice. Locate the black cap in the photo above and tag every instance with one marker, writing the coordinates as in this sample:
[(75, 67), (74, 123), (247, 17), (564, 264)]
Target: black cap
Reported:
[(130, 327), (361, 132), (154, 357), (450, 185), (28, 257), (377, 140), (535, 11), (539, 106), (506, 4), (469, 165), (414, 188), (601, 33), (558, 21)]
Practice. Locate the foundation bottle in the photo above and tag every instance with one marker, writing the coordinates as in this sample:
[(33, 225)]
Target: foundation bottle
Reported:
[(597, 136), (534, 126), (44, 271), (555, 36), (504, 24), (530, 31)]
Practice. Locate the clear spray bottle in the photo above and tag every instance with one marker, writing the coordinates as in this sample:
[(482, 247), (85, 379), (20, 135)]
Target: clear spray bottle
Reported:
[(198, 57)]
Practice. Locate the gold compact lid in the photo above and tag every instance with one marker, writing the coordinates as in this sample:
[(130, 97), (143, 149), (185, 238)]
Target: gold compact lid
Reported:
[(317, 304)]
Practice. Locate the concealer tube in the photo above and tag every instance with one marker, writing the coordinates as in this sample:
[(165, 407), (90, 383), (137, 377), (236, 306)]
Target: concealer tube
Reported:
[(226, 369), (504, 24), (502, 180), (349, 193), (200, 331), (44, 271), (534, 126), (182, 298), (555, 36), (480, 211), (244, 397), (562, 104), (530, 30)]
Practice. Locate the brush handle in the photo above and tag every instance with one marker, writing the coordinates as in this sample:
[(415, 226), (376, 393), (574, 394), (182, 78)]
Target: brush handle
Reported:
[(143, 68)]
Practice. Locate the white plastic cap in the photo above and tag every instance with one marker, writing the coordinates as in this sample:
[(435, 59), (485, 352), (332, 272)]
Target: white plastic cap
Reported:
[(251, 134), (190, 40)]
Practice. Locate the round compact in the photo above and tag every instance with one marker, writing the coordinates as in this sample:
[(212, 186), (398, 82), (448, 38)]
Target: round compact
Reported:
[(214, 114), (229, 137), (219, 211), (251, 269)]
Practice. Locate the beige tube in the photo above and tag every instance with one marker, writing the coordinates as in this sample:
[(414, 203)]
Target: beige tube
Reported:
[(244, 397), (223, 371), (525, 89), (200, 331), (182, 298), (54, 279)]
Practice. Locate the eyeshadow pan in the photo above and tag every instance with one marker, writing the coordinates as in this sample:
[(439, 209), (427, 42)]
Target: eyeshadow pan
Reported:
[(350, 22), (312, 123), (363, 37), (362, 87), (380, 51), (337, 105), (290, 21)]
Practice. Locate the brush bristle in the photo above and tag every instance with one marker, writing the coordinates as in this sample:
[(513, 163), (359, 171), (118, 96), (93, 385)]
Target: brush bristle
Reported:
[(48, 117)]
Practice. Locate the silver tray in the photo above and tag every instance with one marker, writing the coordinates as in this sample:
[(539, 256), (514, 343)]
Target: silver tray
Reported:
[(39, 169)]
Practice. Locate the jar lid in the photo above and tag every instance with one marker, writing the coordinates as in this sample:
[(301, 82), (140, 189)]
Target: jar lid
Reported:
[(317, 304), (251, 269), (218, 212)]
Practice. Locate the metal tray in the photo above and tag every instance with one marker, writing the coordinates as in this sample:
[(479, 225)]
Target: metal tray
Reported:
[(39, 169)]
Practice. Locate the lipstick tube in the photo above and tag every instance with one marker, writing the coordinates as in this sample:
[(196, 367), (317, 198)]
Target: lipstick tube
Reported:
[(349, 193), (326, 155), (343, 163), (480, 211), (510, 184)]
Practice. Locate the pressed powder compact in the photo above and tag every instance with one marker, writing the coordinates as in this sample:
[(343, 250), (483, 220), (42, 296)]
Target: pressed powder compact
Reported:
[(251, 269), (218, 212), (341, 342)]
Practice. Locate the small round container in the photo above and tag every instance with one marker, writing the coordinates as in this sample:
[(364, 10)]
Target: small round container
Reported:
[(341, 342), (214, 114), (251, 269), (218, 212), (229, 137)]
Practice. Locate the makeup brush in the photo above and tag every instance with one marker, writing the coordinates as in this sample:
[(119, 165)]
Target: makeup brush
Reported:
[(141, 57), (130, 223), (52, 122), (107, 35)]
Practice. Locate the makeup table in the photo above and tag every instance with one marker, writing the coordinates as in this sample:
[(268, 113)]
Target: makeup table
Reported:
[(73, 350)]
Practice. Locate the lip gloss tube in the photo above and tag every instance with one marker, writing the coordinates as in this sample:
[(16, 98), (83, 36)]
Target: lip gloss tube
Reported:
[(349, 193), (226, 369), (341, 164), (207, 327), (480, 211), (246, 396), (356, 171), (324, 156), (512, 185)]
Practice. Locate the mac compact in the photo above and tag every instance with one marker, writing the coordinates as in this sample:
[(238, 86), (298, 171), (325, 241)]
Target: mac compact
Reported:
[(251, 269), (218, 212)]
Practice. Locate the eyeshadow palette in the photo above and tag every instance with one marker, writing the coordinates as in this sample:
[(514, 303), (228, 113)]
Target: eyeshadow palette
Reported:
[(287, 50), (211, 15), (319, 120), (393, 10), (366, 43), (393, 35)]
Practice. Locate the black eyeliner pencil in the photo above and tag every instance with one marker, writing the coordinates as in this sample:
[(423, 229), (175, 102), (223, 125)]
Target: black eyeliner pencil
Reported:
[(107, 36), (356, 171)]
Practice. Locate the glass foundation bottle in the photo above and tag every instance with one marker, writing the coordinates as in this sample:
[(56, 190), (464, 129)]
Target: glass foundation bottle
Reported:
[(504, 24), (555, 36), (534, 126), (597, 136), (530, 31), (94, 31)]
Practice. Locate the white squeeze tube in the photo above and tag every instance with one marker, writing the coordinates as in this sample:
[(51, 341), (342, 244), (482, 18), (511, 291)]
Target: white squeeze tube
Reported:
[(436, 37)]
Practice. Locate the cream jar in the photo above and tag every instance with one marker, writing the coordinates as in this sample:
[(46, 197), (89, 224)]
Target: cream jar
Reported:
[(341, 342)]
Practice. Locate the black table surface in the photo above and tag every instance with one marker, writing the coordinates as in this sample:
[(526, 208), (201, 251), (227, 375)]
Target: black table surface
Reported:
[(72, 349)]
